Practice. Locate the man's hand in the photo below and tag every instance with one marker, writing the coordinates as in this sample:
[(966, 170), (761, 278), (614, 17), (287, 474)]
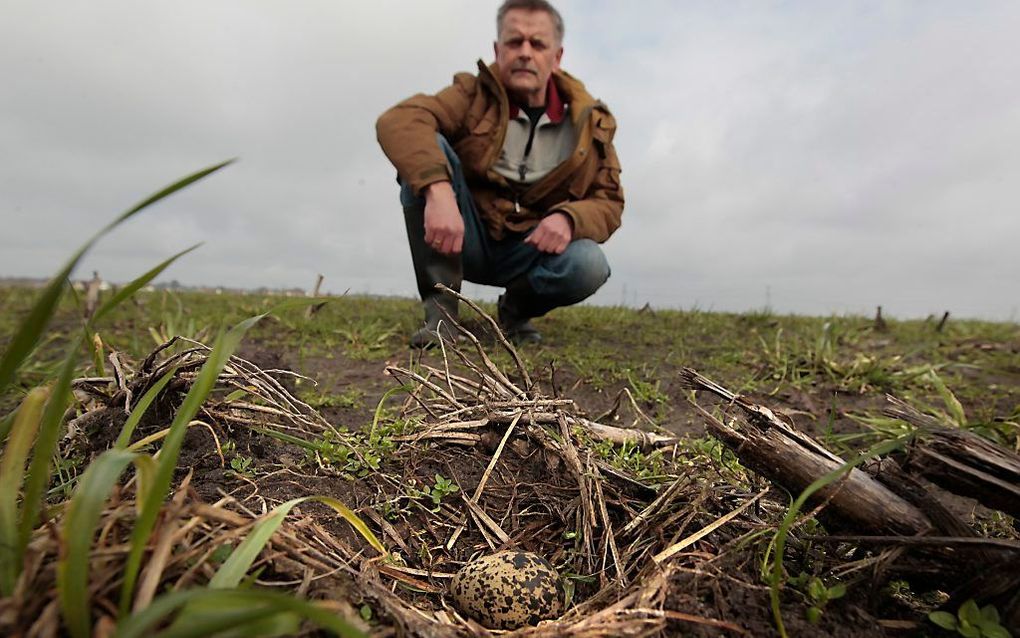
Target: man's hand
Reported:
[(553, 234), (444, 227)]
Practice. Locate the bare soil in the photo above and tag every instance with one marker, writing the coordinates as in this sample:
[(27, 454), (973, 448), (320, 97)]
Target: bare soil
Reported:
[(733, 592), (530, 493)]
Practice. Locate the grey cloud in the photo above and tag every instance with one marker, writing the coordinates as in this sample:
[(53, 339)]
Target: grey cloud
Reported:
[(819, 157)]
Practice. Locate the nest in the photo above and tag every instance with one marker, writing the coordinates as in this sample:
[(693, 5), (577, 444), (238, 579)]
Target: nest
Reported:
[(637, 522)]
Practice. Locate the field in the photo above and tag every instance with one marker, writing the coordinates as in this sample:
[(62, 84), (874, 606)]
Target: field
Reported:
[(332, 404), (193, 464)]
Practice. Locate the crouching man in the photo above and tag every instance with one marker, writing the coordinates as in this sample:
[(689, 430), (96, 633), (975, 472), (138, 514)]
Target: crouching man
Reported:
[(508, 178)]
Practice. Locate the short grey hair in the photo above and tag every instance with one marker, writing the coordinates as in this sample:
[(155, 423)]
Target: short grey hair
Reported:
[(530, 5)]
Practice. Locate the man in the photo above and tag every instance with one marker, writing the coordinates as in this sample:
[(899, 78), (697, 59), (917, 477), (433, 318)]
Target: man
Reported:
[(508, 178)]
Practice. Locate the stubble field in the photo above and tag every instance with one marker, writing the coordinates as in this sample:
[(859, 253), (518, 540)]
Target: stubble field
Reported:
[(655, 526)]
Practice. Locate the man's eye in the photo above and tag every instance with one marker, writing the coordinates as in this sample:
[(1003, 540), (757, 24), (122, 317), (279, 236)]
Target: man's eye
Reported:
[(537, 44)]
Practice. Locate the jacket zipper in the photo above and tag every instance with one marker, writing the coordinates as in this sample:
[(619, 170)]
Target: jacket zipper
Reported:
[(585, 118), (522, 170)]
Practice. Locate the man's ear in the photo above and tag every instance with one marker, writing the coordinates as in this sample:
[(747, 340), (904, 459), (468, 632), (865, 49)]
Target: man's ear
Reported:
[(495, 48), (559, 56)]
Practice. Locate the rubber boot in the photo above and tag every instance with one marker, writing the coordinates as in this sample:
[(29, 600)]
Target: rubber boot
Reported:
[(431, 268), (436, 322), (516, 307)]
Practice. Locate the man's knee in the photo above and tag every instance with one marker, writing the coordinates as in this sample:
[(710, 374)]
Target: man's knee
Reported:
[(589, 267), (574, 275)]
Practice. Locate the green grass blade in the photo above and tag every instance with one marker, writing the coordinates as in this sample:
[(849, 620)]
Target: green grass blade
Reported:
[(127, 291), (240, 621), (49, 432), (382, 402), (96, 348), (240, 607), (12, 468), (952, 403), (282, 623), (776, 576), (145, 475), (31, 329), (76, 536), (210, 616), (200, 389), (140, 444), (167, 191), (140, 409), (233, 570), (354, 520), (288, 438), (240, 560)]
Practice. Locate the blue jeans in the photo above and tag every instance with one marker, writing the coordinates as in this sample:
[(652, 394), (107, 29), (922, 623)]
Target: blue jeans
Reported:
[(560, 280)]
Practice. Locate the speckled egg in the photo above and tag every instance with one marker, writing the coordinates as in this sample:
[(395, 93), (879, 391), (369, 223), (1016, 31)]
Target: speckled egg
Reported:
[(507, 590)]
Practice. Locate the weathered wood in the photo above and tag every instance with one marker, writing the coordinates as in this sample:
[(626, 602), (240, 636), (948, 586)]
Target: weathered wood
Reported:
[(315, 308), (961, 461), (619, 436), (961, 477), (793, 460), (890, 474), (893, 500), (996, 544)]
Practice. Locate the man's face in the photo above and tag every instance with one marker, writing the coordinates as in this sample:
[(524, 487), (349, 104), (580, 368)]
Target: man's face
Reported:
[(527, 53)]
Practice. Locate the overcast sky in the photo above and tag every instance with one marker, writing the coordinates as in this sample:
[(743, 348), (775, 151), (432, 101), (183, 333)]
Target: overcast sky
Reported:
[(816, 157)]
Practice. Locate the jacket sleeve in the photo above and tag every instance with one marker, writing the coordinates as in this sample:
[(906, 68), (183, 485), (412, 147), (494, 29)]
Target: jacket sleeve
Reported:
[(407, 132), (598, 214)]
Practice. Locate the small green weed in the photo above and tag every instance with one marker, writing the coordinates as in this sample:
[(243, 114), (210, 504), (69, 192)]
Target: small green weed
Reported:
[(805, 361), (442, 488), (353, 453), (898, 589), (949, 411), (243, 466), (903, 593), (817, 593), (598, 369), (366, 340), (648, 392), (392, 509), (240, 465), (339, 450), (971, 621), (630, 458), (879, 428), (720, 455)]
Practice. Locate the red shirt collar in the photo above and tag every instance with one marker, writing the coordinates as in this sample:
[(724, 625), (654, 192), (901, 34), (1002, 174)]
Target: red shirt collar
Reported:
[(554, 106)]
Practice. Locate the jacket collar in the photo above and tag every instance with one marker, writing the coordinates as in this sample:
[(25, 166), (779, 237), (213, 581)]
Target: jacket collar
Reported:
[(555, 108), (567, 88)]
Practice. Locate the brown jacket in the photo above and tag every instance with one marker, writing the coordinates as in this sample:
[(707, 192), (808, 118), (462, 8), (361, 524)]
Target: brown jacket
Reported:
[(472, 114)]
